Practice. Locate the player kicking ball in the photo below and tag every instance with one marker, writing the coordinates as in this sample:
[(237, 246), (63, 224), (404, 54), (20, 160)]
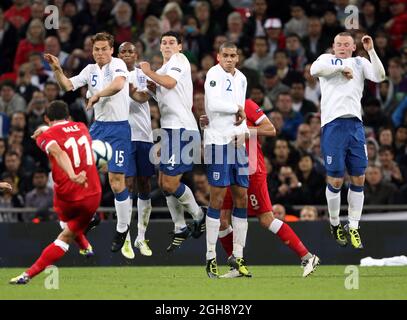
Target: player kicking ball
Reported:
[(77, 187), (343, 143)]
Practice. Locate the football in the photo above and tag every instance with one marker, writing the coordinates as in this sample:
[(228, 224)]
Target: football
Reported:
[(102, 152)]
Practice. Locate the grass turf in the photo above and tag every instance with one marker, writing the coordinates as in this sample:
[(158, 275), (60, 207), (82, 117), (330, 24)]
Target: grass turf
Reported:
[(190, 283)]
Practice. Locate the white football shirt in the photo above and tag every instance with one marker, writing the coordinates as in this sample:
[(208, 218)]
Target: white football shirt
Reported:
[(139, 116), (113, 108), (224, 93), (176, 104), (341, 97)]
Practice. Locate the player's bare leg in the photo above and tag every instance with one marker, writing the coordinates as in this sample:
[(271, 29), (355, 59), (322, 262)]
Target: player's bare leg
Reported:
[(144, 211), (85, 247), (355, 201), (333, 199), (122, 205), (51, 254)]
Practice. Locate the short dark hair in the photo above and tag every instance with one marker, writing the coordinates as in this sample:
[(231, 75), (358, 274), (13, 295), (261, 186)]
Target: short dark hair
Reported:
[(385, 148), (174, 34), (40, 170), (8, 83), (57, 110), (103, 36), (346, 34), (227, 44)]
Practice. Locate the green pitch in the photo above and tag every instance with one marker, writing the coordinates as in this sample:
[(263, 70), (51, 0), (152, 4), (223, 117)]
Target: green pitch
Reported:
[(190, 283)]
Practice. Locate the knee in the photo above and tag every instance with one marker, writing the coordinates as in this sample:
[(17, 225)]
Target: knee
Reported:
[(117, 183), (266, 219), (216, 201), (241, 200), (336, 183), (168, 186), (358, 181)]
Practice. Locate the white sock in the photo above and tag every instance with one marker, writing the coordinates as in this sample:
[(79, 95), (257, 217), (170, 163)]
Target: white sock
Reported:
[(177, 213), (63, 245), (128, 237), (224, 233), (123, 214), (334, 206), (144, 211), (275, 225), (212, 233), (239, 235), (355, 201), (187, 200)]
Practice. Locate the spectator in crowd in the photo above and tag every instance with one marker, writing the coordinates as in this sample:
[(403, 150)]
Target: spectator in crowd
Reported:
[(198, 106), (283, 155), (372, 148), (280, 213), (392, 172), (208, 28), (314, 42), (303, 142), (254, 26), (368, 17), (314, 121), (277, 120), (93, 17), (122, 25), (235, 32), (36, 111), (313, 183), (383, 48), (275, 34), (219, 10), (8, 44), (10, 199), (3, 149), (34, 42), (53, 46), (18, 14), (171, 17), (80, 58), (197, 81), (331, 26), (151, 36), (300, 103), (377, 191), (51, 91), (78, 110), (400, 143), (292, 118), (145, 8), (386, 137), (41, 197), (373, 117), (37, 9), (201, 188), (397, 26), (272, 84), (40, 75), (257, 94), (298, 23), (10, 100), (260, 59), (309, 213), (296, 52), (289, 191), (24, 86), (67, 38), (12, 166), (193, 44)]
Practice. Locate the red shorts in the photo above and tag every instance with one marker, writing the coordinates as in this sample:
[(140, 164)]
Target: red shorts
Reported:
[(77, 214), (258, 197)]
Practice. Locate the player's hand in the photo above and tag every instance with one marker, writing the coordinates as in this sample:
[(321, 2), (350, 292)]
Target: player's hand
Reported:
[(152, 86), (367, 42), (52, 60), (203, 121), (92, 100), (5, 186), (347, 73), (80, 179), (240, 116), (39, 131), (145, 67)]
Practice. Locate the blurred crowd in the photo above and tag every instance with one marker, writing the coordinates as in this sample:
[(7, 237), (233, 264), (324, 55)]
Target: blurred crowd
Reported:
[(277, 40)]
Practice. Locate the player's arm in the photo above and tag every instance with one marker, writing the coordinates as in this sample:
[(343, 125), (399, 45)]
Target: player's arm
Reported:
[(265, 128), (321, 68), (164, 80), (114, 87), (62, 80), (376, 70), (65, 163), (139, 96)]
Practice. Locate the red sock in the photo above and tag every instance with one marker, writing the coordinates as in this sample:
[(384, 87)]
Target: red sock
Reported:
[(49, 255), (288, 236), (227, 243), (82, 242)]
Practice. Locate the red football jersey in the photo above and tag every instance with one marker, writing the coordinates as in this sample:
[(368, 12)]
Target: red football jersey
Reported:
[(254, 115), (74, 139)]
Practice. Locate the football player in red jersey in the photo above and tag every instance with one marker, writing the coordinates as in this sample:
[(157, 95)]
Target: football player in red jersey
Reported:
[(77, 190), (259, 203)]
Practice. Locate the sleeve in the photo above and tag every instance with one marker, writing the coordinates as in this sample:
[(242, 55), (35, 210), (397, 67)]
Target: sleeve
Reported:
[(81, 79), (373, 70), (44, 140), (213, 93), (253, 112), (176, 67), (119, 69), (323, 68)]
